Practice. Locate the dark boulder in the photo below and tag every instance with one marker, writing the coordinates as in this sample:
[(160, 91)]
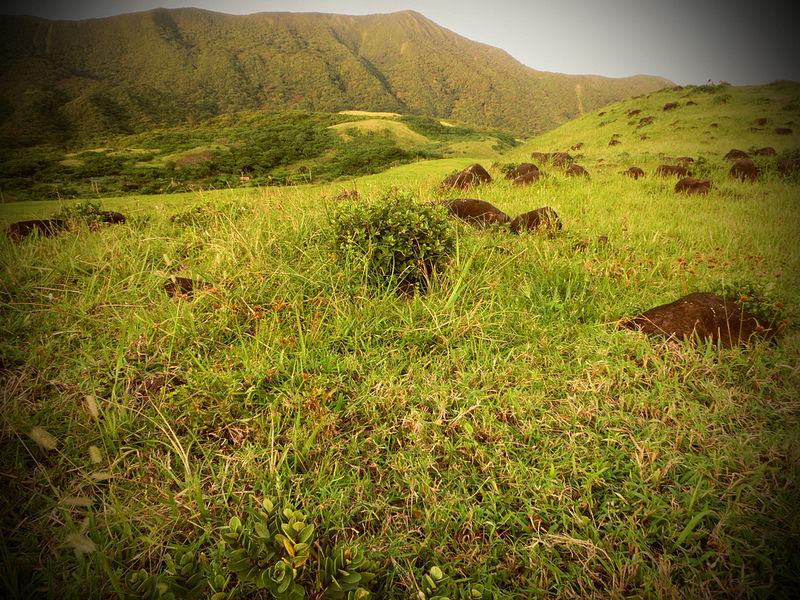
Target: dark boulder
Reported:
[(762, 121), (473, 175), (545, 218), (527, 178), (634, 172), (541, 156), (111, 217), (701, 315), (788, 165), (560, 159), (476, 212), (645, 121), (576, 171), (783, 131), (690, 185), (577, 146), (521, 170), (735, 155), (670, 106), (684, 161), (634, 112), (184, 286), (46, 227), (744, 169), (691, 103), (768, 151), (672, 170), (614, 142)]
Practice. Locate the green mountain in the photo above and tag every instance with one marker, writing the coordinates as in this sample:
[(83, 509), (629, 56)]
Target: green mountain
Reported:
[(62, 80)]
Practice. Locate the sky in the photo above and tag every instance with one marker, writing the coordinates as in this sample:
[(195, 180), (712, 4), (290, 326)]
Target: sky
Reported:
[(688, 42)]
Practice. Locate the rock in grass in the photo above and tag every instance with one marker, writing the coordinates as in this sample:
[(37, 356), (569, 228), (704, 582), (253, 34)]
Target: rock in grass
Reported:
[(788, 166), (734, 155), (576, 171), (47, 227), (112, 217), (184, 286), (634, 172), (476, 212), (690, 185), (544, 218), (703, 316), (473, 175), (672, 170), (527, 178), (744, 169), (521, 170)]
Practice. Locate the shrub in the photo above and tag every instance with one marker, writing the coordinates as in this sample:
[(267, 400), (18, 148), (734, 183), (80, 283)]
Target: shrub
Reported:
[(393, 240)]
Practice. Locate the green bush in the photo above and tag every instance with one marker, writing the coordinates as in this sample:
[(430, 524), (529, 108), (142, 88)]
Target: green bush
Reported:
[(393, 240)]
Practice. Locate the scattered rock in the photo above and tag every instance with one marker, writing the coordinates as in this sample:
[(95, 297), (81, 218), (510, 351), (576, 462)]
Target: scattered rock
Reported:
[(46, 227), (521, 170), (111, 217), (783, 131), (541, 156), (714, 125), (768, 151), (645, 121), (690, 185), (684, 161), (691, 103), (528, 178), (614, 142), (544, 217), (634, 172), (762, 121), (577, 146), (184, 286), (560, 159), (702, 315), (735, 155), (670, 106), (633, 113), (476, 212), (575, 171), (674, 170), (602, 239), (744, 169), (473, 175), (788, 165)]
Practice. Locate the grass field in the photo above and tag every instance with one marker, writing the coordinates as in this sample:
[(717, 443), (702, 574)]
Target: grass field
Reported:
[(499, 431)]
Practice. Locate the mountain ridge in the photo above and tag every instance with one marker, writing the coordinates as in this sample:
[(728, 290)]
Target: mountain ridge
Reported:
[(67, 79)]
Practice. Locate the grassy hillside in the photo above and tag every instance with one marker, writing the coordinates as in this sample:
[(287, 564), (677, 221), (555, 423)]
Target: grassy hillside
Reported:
[(499, 430), (243, 149), (61, 81)]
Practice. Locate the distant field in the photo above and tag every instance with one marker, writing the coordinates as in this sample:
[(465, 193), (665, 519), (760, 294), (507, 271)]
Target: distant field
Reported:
[(498, 436)]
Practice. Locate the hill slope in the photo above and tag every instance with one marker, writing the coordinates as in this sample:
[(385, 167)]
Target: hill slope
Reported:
[(126, 73)]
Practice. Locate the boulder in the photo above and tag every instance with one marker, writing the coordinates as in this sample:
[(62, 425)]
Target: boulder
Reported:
[(690, 185), (735, 155), (521, 170), (788, 165), (783, 131), (767, 151), (634, 172), (541, 156), (645, 121), (744, 169), (672, 170), (670, 106), (21, 229), (473, 175), (111, 217), (703, 316), (762, 121), (545, 218), (184, 286), (576, 171), (614, 142), (476, 212), (527, 178)]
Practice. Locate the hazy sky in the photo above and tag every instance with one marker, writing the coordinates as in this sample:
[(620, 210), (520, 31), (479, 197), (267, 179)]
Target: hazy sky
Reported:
[(686, 41)]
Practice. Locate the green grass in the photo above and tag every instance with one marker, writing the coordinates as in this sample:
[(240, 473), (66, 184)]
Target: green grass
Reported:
[(500, 427)]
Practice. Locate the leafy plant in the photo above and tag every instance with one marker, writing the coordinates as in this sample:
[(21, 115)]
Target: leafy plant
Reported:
[(88, 212), (275, 550), (393, 239)]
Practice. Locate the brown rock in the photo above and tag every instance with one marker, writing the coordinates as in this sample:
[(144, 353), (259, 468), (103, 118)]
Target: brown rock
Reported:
[(667, 170), (577, 146), (541, 156), (783, 131), (544, 217), (476, 212), (575, 171), (560, 159), (614, 142), (45, 227), (634, 112), (762, 121), (690, 185), (735, 155), (527, 178), (184, 286), (634, 172), (691, 103), (788, 165), (111, 217), (347, 195), (473, 175), (744, 169), (670, 106), (521, 170), (684, 161), (768, 151), (645, 121), (701, 315)]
